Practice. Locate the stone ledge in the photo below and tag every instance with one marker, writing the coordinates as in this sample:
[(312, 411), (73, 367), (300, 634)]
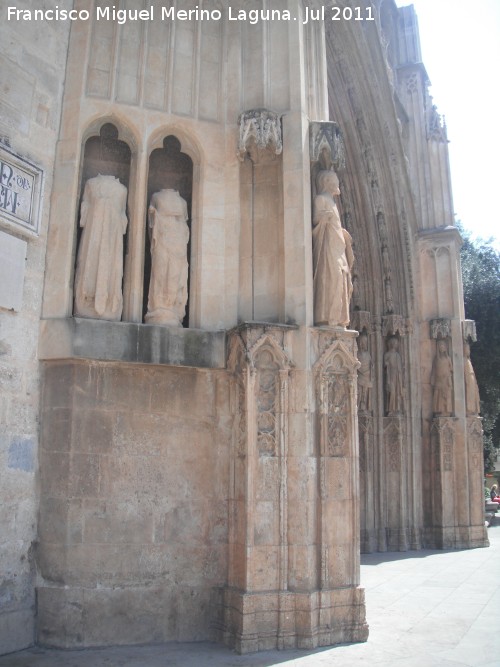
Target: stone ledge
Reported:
[(79, 338)]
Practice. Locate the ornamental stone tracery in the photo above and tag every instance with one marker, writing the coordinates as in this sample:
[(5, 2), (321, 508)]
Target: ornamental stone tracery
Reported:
[(260, 128)]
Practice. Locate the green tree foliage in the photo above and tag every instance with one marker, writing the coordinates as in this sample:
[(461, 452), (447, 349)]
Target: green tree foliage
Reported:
[(481, 281)]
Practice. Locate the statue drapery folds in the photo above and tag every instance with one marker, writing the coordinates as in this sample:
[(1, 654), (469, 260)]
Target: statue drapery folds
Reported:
[(332, 256)]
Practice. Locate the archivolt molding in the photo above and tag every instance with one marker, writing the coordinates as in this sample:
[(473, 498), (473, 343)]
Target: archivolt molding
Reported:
[(380, 164)]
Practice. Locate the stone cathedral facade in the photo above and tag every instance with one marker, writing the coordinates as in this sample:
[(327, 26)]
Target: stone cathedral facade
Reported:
[(190, 451)]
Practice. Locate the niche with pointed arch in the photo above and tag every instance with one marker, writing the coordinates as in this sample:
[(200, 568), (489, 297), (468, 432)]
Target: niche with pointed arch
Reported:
[(102, 226)]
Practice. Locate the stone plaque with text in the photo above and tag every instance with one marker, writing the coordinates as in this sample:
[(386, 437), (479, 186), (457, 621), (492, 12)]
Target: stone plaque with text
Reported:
[(20, 187)]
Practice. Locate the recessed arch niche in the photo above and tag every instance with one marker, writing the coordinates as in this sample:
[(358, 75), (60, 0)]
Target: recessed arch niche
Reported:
[(170, 168), (106, 155)]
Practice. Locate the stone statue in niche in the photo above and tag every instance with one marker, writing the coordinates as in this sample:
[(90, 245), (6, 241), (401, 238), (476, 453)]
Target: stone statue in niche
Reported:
[(393, 366), (364, 374), (442, 381), (99, 268), (472, 402), (332, 255), (169, 236)]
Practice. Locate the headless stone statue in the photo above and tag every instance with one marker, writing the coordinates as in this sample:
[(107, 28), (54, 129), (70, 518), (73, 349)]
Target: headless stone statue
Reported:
[(99, 269), (364, 375), (393, 366), (442, 381), (472, 402), (332, 255), (169, 235)]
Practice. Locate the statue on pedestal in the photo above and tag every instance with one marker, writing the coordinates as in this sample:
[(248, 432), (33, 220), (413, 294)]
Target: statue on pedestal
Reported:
[(442, 382), (332, 255), (364, 374), (169, 235), (99, 268), (393, 366), (472, 403)]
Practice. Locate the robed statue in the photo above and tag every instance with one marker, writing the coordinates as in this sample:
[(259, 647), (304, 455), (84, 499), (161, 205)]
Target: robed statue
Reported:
[(332, 255), (99, 268), (169, 236)]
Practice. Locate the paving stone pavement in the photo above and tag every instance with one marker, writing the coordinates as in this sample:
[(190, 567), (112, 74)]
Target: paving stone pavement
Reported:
[(425, 609)]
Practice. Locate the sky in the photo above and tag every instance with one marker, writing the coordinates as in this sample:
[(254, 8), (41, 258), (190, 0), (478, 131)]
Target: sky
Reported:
[(460, 42)]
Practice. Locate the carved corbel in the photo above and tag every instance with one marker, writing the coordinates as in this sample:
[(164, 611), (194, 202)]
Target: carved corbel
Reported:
[(440, 328), (260, 131), (361, 320), (469, 331), (393, 325), (326, 145)]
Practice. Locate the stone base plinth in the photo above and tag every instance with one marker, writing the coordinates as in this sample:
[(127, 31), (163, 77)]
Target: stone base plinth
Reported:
[(456, 537), (251, 622)]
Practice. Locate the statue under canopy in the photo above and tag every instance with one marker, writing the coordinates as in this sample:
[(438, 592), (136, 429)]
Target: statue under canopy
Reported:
[(442, 381), (472, 402), (332, 255)]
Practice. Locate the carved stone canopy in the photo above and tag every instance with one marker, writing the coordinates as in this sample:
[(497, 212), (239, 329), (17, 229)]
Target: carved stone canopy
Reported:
[(326, 145), (361, 320), (440, 328), (394, 324), (469, 330), (259, 129)]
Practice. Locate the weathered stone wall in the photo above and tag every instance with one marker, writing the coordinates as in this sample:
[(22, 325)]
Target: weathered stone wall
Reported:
[(32, 70), (134, 467)]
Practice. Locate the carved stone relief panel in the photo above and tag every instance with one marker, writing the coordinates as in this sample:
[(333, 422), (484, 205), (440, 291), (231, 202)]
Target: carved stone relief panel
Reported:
[(338, 393), (267, 395), (393, 437), (475, 441), (447, 448), (442, 442), (412, 83), (241, 434), (335, 386)]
